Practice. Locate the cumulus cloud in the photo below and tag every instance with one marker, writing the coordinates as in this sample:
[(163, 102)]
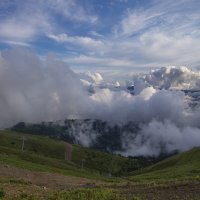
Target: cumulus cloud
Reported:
[(173, 78), (92, 77), (94, 82), (122, 107)]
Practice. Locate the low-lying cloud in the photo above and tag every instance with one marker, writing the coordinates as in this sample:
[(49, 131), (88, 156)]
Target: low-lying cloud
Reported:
[(34, 89)]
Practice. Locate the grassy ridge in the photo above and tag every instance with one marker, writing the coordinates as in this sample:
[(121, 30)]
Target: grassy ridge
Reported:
[(45, 154), (185, 165)]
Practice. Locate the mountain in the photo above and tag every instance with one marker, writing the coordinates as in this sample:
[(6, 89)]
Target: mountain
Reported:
[(87, 132), (50, 153)]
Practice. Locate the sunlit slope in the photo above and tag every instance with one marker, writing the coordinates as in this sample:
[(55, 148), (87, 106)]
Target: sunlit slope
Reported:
[(180, 166)]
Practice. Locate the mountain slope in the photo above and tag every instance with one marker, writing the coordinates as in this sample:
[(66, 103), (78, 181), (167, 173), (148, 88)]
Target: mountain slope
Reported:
[(45, 154), (181, 166), (40, 172)]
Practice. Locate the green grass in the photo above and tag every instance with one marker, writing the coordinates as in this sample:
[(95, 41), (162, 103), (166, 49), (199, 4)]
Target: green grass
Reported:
[(94, 160), (185, 165), (36, 144), (44, 154), (88, 193), (38, 163), (103, 162)]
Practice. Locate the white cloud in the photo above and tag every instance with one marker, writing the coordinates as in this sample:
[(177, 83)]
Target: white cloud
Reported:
[(173, 77), (71, 9), (33, 89), (38, 18), (158, 136), (98, 63), (164, 33), (86, 42), (135, 21), (15, 30), (96, 77), (94, 33)]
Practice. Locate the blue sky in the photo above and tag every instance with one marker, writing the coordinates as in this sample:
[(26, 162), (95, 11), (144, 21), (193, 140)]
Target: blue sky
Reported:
[(106, 35)]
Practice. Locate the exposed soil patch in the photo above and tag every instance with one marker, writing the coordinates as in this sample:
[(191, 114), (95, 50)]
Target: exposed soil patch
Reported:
[(52, 180)]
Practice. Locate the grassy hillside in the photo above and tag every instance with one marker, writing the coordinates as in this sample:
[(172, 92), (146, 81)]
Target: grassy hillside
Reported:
[(39, 173), (43, 153), (185, 165)]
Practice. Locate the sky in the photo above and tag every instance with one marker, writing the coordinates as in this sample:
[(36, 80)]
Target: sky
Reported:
[(107, 36)]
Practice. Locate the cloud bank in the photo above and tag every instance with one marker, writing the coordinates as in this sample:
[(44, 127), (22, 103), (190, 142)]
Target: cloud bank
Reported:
[(37, 89), (34, 89)]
